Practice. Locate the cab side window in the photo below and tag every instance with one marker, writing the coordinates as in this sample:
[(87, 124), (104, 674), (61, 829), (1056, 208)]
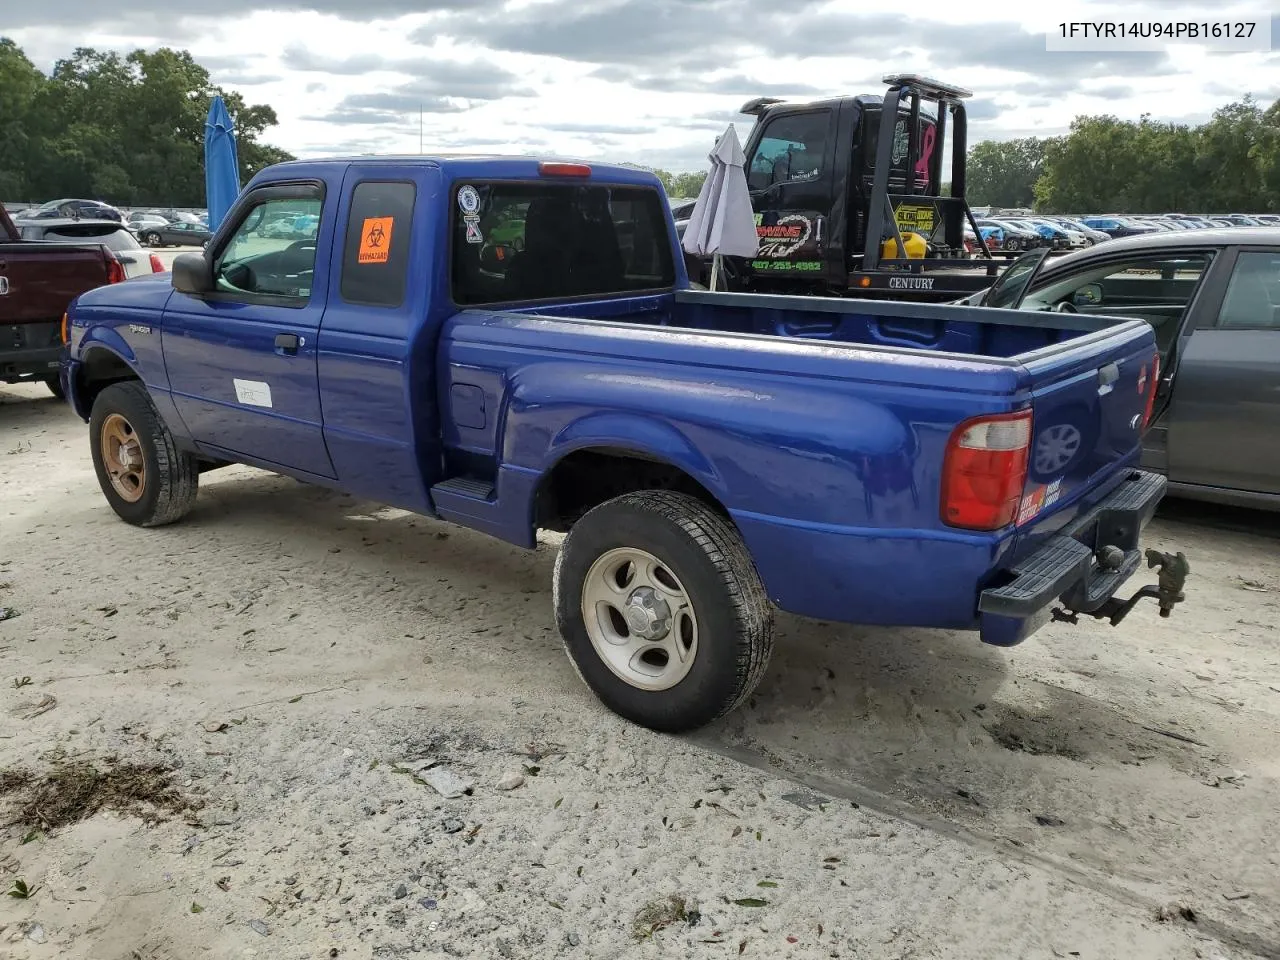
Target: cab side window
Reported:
[(375, 258), (791, 149), (1253, 293), (273, 250)]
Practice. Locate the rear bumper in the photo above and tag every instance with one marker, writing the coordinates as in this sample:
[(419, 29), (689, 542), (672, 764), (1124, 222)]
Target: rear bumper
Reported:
[(1070, 566), (30, 350)]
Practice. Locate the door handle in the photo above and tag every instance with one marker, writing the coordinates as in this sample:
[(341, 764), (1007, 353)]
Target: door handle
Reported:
[(287, 343)]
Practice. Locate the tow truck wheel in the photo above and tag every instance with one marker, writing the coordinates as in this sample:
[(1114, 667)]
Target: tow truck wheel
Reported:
[(661, 610), (147, 480)]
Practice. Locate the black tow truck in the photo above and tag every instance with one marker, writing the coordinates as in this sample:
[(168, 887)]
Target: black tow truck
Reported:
[(844, 191)]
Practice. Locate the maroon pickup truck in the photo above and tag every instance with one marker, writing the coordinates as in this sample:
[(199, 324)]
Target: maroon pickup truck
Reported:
[(38, 279)]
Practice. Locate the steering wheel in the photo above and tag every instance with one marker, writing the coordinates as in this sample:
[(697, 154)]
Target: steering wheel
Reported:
[(1065, 306), (300, 245)]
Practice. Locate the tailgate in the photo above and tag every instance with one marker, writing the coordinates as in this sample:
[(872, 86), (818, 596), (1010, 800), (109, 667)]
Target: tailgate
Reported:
[(38, 280), (1089, 400)]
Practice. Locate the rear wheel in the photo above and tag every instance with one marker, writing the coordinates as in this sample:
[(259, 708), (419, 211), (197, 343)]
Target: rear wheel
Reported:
[(661, 610), (147, 480), (55, 387), (151, 239)]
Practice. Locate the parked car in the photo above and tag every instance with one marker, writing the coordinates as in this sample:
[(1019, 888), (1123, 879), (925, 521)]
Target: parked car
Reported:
[(37, 283), (181, 233), (139, 222), (116, 237), (1010, 237), (1092, 235), (1118, 226), (72, 209), (1062, 236), (1213, 299), (709, 455)]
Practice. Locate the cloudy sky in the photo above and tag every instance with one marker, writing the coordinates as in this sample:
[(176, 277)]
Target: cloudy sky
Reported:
[(645, 81)]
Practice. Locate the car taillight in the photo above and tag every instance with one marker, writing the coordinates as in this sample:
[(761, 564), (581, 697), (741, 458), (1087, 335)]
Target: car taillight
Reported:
[(1152, 389), (156, 265), (115, 271), (984, 470)]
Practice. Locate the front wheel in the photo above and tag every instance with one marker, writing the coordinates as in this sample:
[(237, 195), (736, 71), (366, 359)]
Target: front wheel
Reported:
[(145, 477), (661, 610)]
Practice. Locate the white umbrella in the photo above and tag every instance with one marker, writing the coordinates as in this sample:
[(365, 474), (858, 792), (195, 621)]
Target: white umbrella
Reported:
[(722, 223)]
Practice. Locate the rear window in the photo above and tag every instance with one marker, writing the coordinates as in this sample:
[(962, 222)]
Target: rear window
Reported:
[(111, 236), (543, 241)]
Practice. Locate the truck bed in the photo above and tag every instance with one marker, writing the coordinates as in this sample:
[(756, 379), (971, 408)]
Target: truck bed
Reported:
[(947, 328)]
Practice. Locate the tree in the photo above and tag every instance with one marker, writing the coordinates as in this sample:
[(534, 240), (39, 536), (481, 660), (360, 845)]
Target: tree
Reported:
[(1004, 173), (20, 84), (126, 129)]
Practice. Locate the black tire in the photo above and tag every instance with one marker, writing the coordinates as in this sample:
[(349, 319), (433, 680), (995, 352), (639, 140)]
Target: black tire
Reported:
[(172, 477), (152, 239), (708, 557), (55, 387)]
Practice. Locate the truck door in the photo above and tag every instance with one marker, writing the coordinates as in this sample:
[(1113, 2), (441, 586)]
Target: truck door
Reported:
[(242, 359), (1224, 410), (791, 175)]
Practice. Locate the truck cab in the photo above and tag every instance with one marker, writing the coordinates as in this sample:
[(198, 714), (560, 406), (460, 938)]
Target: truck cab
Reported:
[(847, 196)]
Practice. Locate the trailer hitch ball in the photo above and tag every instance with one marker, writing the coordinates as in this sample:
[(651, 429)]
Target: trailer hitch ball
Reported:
[(1110, 557)]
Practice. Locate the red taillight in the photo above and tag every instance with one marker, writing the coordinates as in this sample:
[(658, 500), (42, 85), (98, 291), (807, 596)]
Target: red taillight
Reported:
[(1152, 386), (156, 265), (550, 169), (115, 271), (984, 471)]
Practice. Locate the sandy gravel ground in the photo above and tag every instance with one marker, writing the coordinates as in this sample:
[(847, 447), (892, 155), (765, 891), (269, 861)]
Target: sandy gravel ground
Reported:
[(295, 656)]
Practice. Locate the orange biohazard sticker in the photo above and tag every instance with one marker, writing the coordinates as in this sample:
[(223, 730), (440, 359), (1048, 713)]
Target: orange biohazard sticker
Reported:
[(375, 240)]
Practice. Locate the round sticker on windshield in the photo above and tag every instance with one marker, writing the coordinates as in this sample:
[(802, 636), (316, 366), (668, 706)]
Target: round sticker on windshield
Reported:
[(468, 199)]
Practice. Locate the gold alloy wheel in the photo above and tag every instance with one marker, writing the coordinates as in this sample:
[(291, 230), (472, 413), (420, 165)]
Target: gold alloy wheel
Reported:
[(122, 457)]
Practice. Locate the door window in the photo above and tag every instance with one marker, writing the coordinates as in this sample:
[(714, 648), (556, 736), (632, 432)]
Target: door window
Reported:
[(1253, 293), (792, 149), (1157, 288), (262, 259)]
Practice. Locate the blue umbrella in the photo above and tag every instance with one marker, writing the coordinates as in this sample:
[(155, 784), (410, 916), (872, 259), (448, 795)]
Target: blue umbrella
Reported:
[(221, 163)]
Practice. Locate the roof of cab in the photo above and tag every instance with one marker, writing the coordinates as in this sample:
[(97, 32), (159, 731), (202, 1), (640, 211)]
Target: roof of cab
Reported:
[(474, 164)]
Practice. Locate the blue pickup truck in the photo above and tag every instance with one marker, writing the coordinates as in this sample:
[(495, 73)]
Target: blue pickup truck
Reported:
[(513, 345)]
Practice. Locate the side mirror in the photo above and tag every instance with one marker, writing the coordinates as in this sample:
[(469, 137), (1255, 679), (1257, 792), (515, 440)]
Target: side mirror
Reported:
[(1087, 296), (192, 274)]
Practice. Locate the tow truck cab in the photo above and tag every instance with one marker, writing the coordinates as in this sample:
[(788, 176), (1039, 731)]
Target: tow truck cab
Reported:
[(838, 186)]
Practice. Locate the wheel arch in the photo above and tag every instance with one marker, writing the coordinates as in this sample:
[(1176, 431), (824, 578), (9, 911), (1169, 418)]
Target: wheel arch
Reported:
[(100, 365), (587, 475)]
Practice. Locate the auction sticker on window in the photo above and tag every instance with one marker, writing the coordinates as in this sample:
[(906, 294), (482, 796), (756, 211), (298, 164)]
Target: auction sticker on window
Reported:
[(375, 240), (468, 199)]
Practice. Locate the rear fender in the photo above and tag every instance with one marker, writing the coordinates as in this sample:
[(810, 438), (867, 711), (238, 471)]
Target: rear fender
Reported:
[(640, 436)]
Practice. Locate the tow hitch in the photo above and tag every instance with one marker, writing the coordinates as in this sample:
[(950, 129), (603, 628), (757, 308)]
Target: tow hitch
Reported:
[(1167, 591)]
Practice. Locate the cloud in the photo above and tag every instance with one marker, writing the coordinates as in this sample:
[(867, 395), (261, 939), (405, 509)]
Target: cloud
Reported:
[(736, 84), (90, 13), (384, 108), (246, 79)]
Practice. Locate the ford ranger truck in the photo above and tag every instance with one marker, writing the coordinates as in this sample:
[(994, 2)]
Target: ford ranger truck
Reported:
[(513, 345)]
